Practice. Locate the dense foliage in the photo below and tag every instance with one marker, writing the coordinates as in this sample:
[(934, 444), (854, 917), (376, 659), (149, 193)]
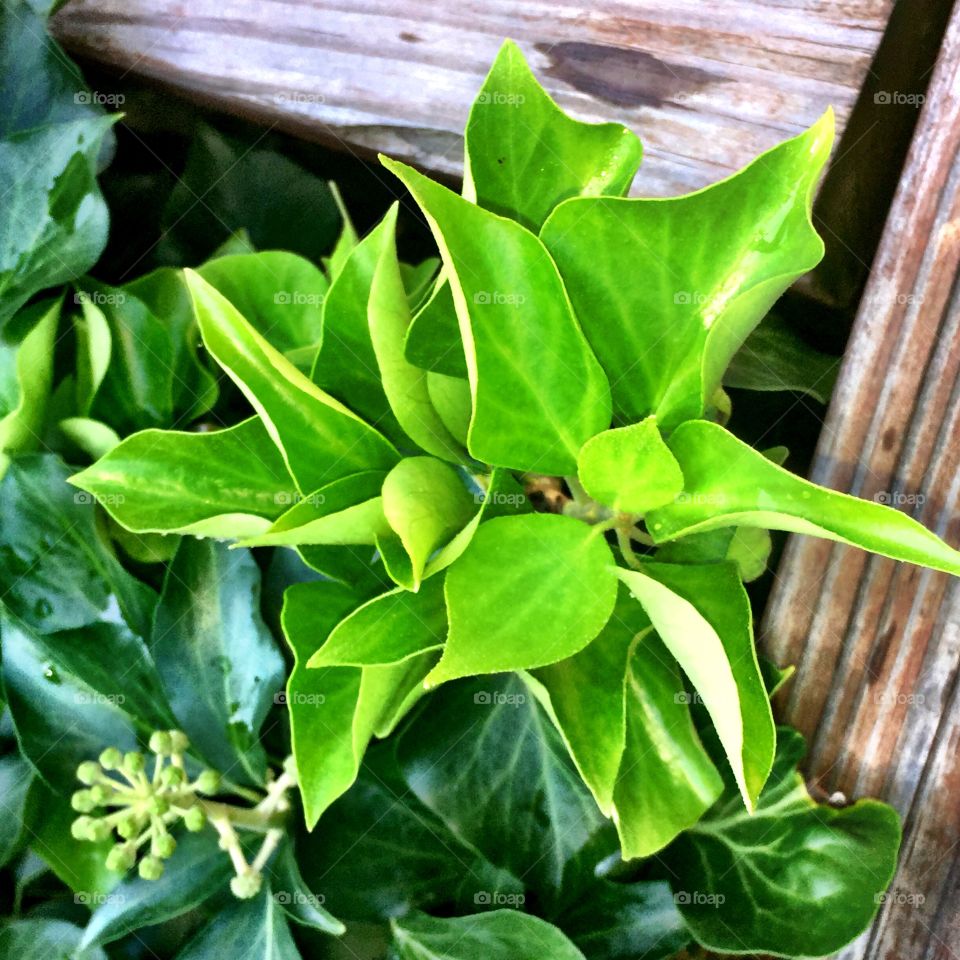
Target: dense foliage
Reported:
[(404, 604)]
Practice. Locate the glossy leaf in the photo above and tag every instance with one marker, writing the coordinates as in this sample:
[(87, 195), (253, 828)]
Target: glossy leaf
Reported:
[(524, 154), (450, 397), (538, 391), (245, 930), (219, 664), (666, 780), (223, 483), (499, 495), (153, 378), (488, 761), (425, 502), (406, 386), (500, 935), (334, 711), (586, 697), (298, 901), (388, 629), (55, 222), (702, 614), (752, 883), (280, 294), (57, 570), (94, 349), (380, 821), (16, 779), (775, 357), (67, 698), (39, 938), (630, 469), (728, 482), (433, 338), (527, 592), (196, 870), (346, 366), (346, 511), (26, 374), (748, 547), (712, 262), (320, 440)]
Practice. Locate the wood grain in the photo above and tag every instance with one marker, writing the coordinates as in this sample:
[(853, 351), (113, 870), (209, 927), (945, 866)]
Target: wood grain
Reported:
[(723, 81), (877, 644)]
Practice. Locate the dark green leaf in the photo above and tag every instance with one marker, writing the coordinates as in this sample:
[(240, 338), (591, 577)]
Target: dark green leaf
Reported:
[(487, 760), (197, 870), (220, 666), (56, 570), (68, 698), (45, 939), (775, 357), (499, 935), (246, 930), (752, 883)]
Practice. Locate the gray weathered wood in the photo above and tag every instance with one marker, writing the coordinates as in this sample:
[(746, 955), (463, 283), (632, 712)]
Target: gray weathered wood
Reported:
[(708, 86), (877, 644)]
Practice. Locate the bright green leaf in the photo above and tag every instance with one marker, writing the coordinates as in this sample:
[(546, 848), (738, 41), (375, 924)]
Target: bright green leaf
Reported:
[(425, 502), (280, 294), (388, 629), (728, 482), (405, 385), (334, 711), (347, 511), (668, 290), (666, 780), (528, 591), (433, 337), (223, 483), (320, 439), (702, 614), (630, 469), (346, 366), (525, 155), (538, 391), (26, 374)]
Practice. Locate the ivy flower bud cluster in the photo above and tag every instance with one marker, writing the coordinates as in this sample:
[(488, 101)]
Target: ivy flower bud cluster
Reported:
[(138, 802)]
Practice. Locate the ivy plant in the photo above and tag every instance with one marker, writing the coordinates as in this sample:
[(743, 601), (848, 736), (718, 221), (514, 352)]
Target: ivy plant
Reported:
[(491, 506)]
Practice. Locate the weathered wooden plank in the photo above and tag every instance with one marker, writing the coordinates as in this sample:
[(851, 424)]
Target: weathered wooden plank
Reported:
[(708, 86), (877, 644)]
